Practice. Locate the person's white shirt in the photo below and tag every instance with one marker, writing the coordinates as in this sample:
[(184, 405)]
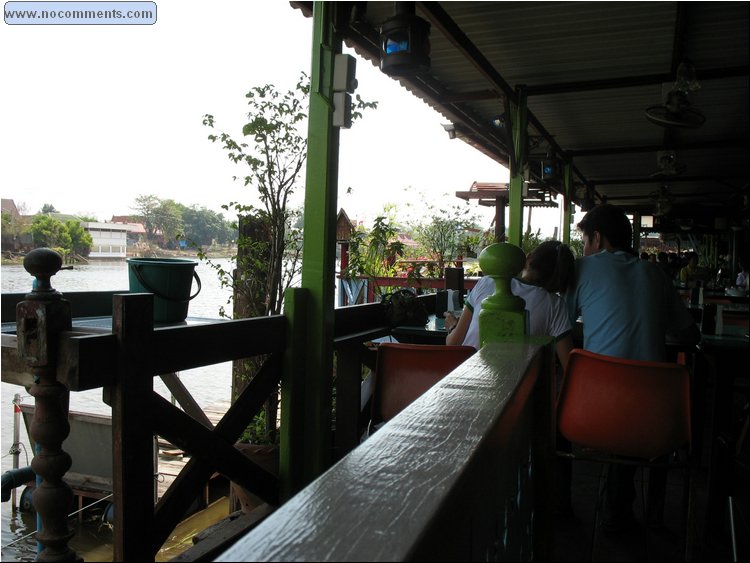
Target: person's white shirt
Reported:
[(548, 314)]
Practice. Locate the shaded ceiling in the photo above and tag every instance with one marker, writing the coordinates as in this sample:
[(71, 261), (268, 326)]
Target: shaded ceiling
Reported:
[(589, 71)]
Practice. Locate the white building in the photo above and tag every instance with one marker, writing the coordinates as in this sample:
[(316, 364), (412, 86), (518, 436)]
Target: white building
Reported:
[(109, 239)]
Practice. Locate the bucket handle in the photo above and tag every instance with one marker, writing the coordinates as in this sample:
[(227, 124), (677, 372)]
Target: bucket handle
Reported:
[(136, 269)]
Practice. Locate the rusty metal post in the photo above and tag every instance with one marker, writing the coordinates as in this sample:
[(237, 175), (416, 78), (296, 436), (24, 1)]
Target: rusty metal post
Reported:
[(40, 319)]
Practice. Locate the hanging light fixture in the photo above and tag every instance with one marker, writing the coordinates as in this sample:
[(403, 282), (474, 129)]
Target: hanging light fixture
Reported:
[(404, 42)]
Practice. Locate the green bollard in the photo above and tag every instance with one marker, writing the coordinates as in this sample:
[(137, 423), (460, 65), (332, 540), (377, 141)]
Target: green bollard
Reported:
[(503, 315)]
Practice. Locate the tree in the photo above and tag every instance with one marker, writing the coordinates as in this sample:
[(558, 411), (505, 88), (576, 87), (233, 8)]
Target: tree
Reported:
[(80, 239), (167, 218), (268, 247), (48, 208), (50, 232), (373, 253), (444, 236), (145, 206), (201, 227), (274, 161)]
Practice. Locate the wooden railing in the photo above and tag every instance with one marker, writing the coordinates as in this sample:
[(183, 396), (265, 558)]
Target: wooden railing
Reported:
[(461, 474), (123, 362), (492, 416)]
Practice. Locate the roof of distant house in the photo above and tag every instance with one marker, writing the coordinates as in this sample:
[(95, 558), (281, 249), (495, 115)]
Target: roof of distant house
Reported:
[(121, 219), (9, 206), (62, 216), (406, 240)]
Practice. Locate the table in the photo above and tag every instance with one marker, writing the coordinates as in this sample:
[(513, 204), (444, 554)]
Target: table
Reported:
[(434, 332), (104, 324), (724, 360)]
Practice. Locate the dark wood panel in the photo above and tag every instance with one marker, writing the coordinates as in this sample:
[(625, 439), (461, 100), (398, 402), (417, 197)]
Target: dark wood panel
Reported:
[(82, 303)]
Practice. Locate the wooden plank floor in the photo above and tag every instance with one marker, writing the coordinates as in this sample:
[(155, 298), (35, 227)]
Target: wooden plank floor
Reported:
[(172, 459)]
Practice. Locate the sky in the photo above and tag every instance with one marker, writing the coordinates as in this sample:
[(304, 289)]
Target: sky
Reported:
[(97, 115)]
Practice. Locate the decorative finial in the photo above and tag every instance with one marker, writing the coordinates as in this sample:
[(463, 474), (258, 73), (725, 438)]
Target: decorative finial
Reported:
[(43, 263), (503, 315)]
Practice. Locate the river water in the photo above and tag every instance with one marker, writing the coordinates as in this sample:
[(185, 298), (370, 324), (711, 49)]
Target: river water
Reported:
[(208, 385)]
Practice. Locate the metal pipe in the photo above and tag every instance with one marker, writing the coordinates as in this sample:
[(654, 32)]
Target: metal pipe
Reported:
[(16, 441), (15, 478)]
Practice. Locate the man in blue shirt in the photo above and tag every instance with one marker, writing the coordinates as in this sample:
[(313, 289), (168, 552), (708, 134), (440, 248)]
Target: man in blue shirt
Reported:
[(628, 307)]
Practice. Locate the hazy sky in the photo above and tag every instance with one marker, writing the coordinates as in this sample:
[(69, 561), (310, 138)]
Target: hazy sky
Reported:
[(95, 116)]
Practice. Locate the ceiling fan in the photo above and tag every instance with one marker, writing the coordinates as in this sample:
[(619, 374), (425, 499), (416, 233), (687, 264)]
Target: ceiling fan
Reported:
[(677, 110), (668, 165)]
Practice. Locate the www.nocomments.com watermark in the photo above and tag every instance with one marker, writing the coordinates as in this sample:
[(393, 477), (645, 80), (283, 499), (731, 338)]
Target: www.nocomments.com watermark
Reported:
[(80, 13)]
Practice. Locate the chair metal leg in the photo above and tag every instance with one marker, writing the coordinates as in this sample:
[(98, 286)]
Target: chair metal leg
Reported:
[(689, 503), (732, 531), (597, 509)]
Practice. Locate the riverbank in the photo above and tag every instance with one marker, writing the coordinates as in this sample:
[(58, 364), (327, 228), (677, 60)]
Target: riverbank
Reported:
[(7, 257)]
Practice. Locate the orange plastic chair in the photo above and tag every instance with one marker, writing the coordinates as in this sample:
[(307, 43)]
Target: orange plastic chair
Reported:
[(628, 411), (403, 372)]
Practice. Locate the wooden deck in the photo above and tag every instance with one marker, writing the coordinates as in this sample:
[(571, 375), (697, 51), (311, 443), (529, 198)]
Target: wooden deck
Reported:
[(171, 459)]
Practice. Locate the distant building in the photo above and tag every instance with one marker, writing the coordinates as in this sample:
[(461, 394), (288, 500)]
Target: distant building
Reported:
[(9, 206), (136, 232), (13, 240), (109, 239)]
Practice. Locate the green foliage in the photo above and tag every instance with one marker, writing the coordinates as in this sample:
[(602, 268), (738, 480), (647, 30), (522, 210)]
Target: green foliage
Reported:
[(203, 227), (274, 155), (529, 240), (50, 232), (374, 253), (576, 243), (48, 208), (269, 243), (258, 432), (274, 162), (68, 237), (199, 226), (167, 218), (145, 206), (80, 239), (447, 233)]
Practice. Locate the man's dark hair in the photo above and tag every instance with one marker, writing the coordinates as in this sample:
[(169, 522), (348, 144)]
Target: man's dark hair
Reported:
[(611, 222)]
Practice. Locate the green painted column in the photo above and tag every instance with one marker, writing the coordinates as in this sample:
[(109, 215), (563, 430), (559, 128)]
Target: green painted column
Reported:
[(319, 250), (516, 184), (567, 201)]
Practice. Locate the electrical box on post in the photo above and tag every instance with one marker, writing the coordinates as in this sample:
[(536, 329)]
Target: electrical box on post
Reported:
[(344, 71), (344, 82), (342, 110)]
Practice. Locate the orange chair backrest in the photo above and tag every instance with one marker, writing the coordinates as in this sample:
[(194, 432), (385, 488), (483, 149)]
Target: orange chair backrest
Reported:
[(405, 371), (624, 407)]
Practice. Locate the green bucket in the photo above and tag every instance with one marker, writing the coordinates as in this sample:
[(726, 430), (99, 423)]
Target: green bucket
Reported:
[(170, 280)]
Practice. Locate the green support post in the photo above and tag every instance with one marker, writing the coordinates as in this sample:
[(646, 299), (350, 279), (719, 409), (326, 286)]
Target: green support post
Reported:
[(319, 250), (567, 201), (292, 435), (516, 185)]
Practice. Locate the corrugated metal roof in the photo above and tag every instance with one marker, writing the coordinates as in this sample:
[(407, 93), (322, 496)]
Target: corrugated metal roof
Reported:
[(590, 70)]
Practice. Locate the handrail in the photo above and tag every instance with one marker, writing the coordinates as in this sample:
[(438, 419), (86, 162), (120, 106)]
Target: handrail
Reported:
[(460, 474)]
